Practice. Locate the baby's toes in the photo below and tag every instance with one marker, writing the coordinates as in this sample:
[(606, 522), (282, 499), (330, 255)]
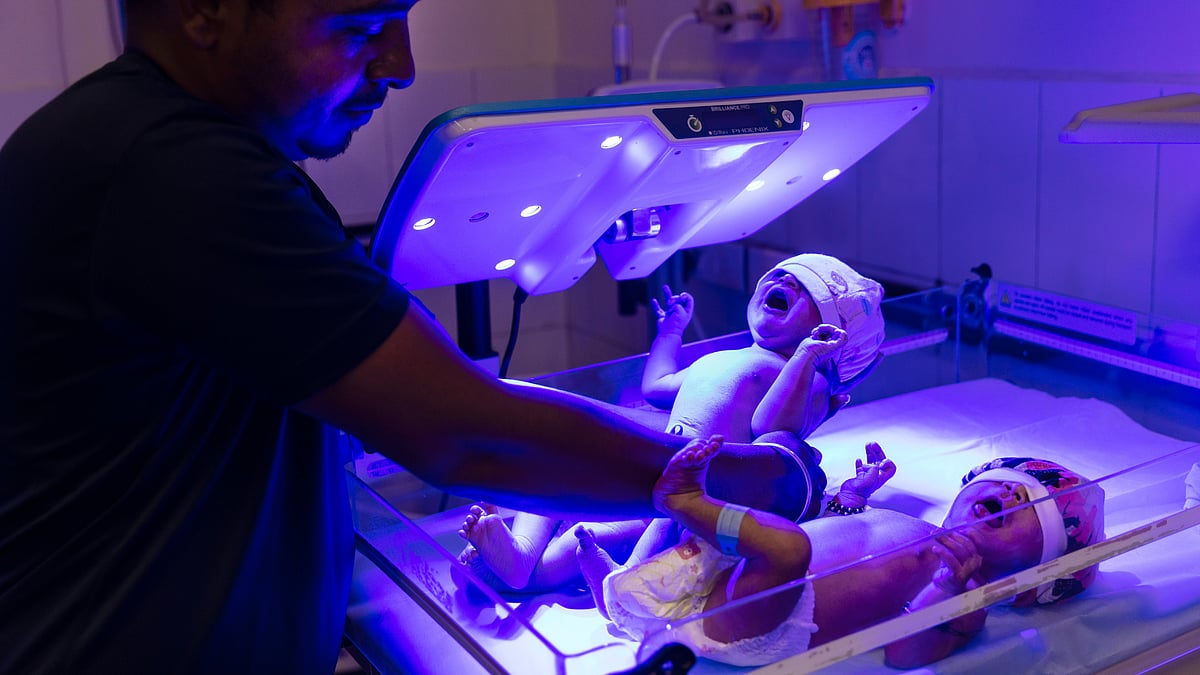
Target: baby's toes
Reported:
[(468, 554)]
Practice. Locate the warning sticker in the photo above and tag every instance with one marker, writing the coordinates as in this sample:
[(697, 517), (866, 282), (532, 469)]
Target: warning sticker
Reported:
[(1074, 314)]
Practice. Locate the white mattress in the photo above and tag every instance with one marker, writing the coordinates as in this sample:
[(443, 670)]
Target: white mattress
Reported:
[(935, 435), (1140, 598)]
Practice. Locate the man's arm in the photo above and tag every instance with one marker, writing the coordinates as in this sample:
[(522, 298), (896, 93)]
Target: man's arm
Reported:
[(775, 550), (420, 402)]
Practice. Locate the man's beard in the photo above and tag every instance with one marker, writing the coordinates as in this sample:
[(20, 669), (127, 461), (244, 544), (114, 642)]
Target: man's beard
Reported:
[(318, 150)]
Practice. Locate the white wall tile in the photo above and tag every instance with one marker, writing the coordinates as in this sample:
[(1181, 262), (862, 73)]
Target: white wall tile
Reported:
[(592, 309), (16, 106), (539, 312), (31, 55), (828, 221), (516, 83), (898, 199), (537, 352), (1019, 36), (407, 111), (91, 35), (466, 34), (989, 178), (1096, 203), (1177, 231), (570, 81)]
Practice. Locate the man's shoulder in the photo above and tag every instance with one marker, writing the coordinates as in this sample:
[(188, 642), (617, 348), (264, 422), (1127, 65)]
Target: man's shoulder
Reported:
[(112, 108)]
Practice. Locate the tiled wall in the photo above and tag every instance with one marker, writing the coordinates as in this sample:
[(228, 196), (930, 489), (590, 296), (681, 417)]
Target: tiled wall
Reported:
[(981, 176), (978, 176)]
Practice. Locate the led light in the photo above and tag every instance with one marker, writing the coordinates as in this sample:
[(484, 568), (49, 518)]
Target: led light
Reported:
[(611, 142), (505, 264), (424, 224), (755, 184), (530, 211), (831, 174)]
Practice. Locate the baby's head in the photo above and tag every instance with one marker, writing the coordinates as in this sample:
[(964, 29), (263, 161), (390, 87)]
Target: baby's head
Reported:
[(1068, 521), (809, 289)]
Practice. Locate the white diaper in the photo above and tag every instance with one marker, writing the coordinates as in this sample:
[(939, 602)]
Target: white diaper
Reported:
[(675, 584), (787, 639), (670, 585)]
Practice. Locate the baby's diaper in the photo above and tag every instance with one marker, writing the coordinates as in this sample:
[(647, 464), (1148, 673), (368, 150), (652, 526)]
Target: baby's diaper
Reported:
[(670, 585), (787, 639)]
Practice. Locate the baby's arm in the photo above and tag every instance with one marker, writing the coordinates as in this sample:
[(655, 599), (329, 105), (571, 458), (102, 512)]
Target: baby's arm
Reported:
[(798, 400), (959, 572), (663, 376), (868, 477), (775, 549)]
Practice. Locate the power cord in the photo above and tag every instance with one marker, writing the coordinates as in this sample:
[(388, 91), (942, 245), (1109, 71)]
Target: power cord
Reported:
[(679, 22), (519, 297)]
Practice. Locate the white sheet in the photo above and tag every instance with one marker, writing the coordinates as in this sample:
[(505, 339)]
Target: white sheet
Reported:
[(935, 436)]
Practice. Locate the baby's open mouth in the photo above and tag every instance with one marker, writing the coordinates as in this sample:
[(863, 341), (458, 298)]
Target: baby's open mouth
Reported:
[(988, 507), (777, 300)]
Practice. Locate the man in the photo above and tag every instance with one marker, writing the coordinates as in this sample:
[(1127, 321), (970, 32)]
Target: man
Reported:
[(182, 314)]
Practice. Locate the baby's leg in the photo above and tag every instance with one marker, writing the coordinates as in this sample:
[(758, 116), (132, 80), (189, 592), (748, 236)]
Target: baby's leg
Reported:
[(512, 554), (595, 564), (660, 534), (559, 566)]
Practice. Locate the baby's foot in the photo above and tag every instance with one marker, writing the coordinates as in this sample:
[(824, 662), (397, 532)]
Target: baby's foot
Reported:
[(470, 558), (508, 558), (595, 564), (683, 479)]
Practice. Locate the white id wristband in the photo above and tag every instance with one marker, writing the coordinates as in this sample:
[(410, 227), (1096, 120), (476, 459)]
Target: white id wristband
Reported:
[(729, 522)]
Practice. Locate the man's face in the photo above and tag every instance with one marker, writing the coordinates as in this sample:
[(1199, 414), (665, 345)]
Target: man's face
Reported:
[(309, 73), (781, 313)]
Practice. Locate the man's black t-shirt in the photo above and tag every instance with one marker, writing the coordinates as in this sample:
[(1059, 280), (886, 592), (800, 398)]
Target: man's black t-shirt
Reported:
[(169, 285)]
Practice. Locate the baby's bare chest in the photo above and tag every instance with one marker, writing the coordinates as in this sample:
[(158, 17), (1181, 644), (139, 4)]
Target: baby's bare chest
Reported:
[(741, 371)]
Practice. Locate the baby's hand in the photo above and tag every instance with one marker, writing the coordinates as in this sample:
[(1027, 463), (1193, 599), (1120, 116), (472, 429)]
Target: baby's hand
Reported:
[(868, 477), (824, 340), (960, 562), (676, 315)]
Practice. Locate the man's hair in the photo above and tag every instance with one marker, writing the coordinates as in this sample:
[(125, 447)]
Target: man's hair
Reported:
[(134, 6)]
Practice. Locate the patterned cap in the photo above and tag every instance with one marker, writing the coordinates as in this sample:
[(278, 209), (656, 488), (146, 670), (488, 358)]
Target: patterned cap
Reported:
[(845, 299), (1070, 521)]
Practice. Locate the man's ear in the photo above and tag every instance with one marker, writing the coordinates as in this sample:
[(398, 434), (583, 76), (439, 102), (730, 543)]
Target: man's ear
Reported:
[(204, 20)]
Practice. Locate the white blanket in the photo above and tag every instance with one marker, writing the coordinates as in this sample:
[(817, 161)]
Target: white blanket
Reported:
[(935, 435)]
